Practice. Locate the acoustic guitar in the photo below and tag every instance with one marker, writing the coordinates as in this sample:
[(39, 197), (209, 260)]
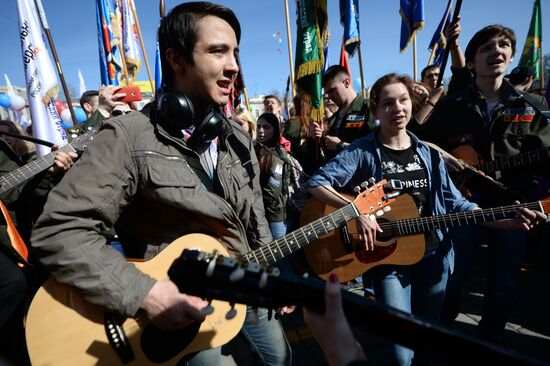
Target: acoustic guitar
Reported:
[(401, 242), (27, 171), (476, 174), (59, 320)]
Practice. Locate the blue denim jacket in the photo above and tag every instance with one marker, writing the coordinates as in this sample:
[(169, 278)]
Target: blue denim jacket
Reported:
[(361, 160)]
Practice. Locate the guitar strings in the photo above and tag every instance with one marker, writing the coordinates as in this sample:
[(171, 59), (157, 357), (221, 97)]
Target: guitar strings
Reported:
[(480, 214)]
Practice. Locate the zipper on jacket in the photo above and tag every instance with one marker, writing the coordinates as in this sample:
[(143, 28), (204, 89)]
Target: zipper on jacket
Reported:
[(169, 157)]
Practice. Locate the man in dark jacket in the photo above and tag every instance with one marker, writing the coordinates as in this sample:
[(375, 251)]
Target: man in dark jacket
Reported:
[(350, 121), (176, 168), (23, 203), (494, 121)]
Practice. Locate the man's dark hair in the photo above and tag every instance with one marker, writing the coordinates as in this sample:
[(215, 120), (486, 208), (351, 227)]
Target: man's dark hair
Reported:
[(484, 35), (333, 72), (426, 69), (87, 96), (271, 96), (178, 30)]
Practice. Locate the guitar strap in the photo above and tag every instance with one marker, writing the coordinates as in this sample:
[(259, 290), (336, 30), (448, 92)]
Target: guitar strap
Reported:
[(16, 241), (537, 105)]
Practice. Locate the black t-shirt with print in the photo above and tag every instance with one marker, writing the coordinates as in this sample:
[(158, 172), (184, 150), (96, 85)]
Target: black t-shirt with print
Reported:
[(407, 167)]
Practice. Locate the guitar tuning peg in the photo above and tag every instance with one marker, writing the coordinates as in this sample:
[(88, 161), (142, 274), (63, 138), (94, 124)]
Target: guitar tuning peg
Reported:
[(232, 312), (237, 274), (357, 189), (379, 213), (263, 280), (365, 184), (387, 208), (371, 181), (208, 309)]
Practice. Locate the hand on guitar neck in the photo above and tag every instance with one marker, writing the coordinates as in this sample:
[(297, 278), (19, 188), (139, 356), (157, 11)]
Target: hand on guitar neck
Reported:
[(63, 160)]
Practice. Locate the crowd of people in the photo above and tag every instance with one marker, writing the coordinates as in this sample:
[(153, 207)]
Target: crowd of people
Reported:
[(179, 166)]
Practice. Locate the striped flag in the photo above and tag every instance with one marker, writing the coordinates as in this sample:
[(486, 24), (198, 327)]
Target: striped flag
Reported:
[(349, 18), (412, 20), (439, 41), (40, 78), (110, 62)]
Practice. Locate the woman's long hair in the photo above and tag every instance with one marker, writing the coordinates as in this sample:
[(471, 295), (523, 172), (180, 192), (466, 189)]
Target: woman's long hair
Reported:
[(265, 156)]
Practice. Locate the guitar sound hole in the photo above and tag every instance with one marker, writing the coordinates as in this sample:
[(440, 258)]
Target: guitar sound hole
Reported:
[(161, 346)]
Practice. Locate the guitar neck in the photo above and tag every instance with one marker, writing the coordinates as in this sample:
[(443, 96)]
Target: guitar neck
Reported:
[(422, 224), (27, 171), (288, 244), (517, 161)]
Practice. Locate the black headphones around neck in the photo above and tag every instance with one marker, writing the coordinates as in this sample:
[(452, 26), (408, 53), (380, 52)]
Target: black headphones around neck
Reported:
[(175, 111)]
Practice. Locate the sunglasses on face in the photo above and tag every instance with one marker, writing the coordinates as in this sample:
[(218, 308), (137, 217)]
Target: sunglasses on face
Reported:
[(117, 112)]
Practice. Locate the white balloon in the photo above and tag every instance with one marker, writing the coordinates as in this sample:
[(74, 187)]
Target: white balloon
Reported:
[(66, 115), (18, 103)]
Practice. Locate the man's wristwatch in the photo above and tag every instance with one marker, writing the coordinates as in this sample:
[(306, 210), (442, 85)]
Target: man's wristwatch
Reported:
[(340, 146)]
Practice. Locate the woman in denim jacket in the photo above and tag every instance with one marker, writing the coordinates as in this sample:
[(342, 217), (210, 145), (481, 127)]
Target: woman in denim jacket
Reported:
[(393, 153)]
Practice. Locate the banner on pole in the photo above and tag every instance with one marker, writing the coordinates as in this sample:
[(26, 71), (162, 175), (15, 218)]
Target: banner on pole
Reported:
[(41, 82)]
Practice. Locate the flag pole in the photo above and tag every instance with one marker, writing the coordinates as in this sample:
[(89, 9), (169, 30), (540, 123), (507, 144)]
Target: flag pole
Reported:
[(44, 22), (289, 41), (363, 91), (414, 58), (124, 65), (161, 9), (134, 13), (432, 55), (447, 48)]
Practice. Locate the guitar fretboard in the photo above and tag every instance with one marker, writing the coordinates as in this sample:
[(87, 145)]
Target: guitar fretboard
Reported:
[(288, 244), (422, 224), (520, 160), (18, 176)]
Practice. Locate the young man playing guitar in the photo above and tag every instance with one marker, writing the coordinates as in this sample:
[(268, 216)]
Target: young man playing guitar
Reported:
[(178, 167), (499, 122)]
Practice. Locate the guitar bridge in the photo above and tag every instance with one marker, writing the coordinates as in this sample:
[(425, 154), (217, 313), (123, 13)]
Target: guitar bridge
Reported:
[(117, 337)]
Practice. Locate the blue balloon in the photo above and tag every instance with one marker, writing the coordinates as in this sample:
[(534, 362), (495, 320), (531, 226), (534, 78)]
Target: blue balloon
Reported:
[(5, 101), (80, 115)]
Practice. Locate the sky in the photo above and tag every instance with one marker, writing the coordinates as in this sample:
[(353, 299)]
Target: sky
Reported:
[(264, 47)]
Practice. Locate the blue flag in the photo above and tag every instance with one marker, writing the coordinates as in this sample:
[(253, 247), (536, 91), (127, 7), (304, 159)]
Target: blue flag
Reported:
[(439, 41), (158, 69), (349, 18), (110, 63), (412, 20)]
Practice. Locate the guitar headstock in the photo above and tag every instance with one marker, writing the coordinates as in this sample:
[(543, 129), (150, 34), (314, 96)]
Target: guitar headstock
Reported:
[(212, 276), (81, 142), (372, 198)]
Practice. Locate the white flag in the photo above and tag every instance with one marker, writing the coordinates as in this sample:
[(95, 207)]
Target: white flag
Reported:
[(40, 78), (81, 83), (130, 38)]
